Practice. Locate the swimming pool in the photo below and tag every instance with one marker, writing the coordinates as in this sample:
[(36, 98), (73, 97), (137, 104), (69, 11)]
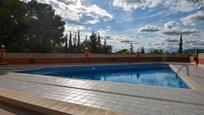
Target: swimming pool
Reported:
[(148, 74)]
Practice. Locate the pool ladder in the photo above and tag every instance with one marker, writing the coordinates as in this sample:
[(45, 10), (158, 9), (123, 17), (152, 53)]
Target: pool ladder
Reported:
[(181, 68), (164, 58)]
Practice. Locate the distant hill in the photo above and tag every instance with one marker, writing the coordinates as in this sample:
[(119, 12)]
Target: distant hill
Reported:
[(193, 49)]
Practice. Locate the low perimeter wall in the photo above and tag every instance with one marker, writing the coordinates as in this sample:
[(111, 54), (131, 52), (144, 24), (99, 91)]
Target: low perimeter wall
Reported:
[(94, 58), (201, 60)]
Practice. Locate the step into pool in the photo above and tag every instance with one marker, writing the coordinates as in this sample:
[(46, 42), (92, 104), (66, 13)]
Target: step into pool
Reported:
[(148, 74)]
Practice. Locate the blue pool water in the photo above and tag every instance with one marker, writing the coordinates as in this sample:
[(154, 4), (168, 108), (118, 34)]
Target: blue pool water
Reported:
[(147, 74)]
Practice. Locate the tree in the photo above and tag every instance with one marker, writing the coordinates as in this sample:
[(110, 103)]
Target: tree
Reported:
[(13, 24), (157, 52), (105, 42), (180, 45), (79, 41), (86, 44), (99, 40), (47, 27), (94, 44), (93, 39), (108, 49), (75, 44), (70, 42), (143, 51), (123, 51), (66, 45), (30, 27), (131, 48)]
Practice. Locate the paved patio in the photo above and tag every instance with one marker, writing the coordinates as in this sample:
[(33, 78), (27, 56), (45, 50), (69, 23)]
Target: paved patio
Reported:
[(131, 99)]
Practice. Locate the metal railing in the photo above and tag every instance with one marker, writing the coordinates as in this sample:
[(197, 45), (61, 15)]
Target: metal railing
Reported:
[(164, 58), (181, 68)]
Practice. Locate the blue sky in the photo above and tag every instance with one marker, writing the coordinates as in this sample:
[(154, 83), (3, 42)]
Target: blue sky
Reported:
[(151, 24)]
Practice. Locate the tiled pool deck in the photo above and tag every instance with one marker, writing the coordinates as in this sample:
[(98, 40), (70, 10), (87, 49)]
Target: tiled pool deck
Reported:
[(123, 98)]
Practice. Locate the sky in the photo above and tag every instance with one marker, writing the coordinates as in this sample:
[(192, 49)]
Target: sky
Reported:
[(152, 24)]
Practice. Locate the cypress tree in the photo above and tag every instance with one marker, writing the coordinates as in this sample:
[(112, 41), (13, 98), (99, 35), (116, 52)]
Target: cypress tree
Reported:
[(66, 44), (70, 42), (180, 45), (75, 44), (143, 51), (105, 47), (131, 48), (99, 40), (78, 44)]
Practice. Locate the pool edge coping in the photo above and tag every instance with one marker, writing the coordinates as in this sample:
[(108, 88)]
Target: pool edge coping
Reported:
[(187, 79), (29, 102)]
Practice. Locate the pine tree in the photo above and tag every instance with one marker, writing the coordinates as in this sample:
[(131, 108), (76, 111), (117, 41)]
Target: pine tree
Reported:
[(180, 45)]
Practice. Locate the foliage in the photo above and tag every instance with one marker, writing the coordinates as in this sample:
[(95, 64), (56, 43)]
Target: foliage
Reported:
[(93, 44), (143, 51), (93, 39), (34, 27), (13, 24), (123, 51), (46, 27), (30, 27), (156, 52)]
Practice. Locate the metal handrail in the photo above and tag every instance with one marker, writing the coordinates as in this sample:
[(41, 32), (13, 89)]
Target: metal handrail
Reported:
[(181, 67), (164, 58)]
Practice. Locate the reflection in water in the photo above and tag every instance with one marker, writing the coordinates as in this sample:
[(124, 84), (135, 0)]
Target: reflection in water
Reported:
[(164, 77), (138, 76)]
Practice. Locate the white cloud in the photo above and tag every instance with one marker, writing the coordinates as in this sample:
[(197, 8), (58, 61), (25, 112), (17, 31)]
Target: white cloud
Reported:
[(173, 5), (193, 19), (96, 13), (178, 31), (179, 5), (73, 27), (169, 28), (127, 4), (189, 31), (152, 40), (74, 10), (170, 24), (149, 28), (172, 28), (152, 3)]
